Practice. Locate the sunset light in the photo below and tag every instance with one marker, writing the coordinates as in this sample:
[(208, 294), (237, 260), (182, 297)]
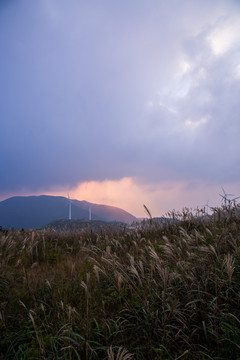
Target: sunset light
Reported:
[(120, 179)]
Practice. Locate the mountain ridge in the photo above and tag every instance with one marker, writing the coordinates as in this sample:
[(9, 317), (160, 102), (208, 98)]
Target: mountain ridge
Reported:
[(38, 210)]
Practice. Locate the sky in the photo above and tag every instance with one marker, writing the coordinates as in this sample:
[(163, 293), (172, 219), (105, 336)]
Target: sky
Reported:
[(122, 103)]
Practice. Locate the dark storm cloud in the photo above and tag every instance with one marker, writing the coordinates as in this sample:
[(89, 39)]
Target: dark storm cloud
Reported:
[(95, 91)]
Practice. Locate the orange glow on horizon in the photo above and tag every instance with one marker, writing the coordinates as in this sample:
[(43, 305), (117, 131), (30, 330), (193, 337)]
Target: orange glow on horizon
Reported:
[(130, 194), (123, 193)]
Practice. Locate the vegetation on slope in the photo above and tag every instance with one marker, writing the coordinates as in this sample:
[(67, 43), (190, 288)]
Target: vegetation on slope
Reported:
[(81, 224), (162, 291)]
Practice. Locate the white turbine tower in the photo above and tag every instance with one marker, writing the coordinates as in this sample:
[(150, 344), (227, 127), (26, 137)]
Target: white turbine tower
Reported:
[(69, 208), (90, 213), (206, 206)]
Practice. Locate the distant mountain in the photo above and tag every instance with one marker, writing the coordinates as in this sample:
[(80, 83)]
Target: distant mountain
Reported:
[(36, 211)]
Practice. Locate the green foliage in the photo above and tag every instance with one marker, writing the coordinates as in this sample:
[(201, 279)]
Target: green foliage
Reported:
[(164, 290)]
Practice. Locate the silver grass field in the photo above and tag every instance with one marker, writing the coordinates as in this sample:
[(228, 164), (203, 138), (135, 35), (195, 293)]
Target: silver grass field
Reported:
[(159, 291)]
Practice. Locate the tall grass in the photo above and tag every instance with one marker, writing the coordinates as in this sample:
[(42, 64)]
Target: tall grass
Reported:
[(161, 291)]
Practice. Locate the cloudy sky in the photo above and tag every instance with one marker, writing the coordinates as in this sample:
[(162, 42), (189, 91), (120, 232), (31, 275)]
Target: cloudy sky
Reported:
[(121, 102)]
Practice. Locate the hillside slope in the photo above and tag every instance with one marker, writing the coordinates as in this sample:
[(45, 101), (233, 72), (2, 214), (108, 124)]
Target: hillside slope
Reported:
[(36, 211)]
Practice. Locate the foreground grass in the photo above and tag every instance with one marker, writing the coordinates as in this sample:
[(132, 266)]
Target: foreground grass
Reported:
[(169, 291)]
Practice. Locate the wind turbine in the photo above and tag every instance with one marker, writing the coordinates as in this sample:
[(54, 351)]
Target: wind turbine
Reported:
[(225, 197), (69, 208), (206, 206)]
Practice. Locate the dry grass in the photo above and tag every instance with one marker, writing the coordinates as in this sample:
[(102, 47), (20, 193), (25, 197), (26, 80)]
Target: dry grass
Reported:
[(162, 291)]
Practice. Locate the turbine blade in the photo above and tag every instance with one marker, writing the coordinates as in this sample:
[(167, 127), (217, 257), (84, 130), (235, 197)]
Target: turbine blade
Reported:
[(223, 190)]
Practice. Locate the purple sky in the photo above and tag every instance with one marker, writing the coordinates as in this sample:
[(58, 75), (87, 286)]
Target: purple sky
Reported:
[(95, 92)]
